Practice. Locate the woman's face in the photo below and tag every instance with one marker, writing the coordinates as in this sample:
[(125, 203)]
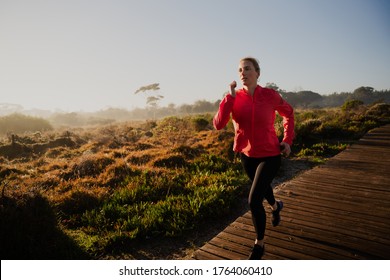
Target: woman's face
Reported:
[(247, 73)]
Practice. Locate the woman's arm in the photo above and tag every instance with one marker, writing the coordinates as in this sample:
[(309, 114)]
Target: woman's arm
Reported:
[(287, 112), (225, 108), (222, 117)]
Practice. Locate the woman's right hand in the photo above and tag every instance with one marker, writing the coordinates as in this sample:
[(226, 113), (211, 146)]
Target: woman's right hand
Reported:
[(233, 86)]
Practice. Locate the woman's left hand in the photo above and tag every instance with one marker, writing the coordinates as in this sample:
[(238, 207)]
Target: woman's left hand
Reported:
[(285, 149)]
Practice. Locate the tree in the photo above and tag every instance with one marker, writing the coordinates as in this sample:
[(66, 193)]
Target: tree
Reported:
[(154, 86), (272, 85), (151, 100), (365, 94), (302, 98)]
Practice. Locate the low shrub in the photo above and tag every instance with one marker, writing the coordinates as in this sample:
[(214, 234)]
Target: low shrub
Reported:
[(29, 230), (18, 123), (322, 150), (175, 161), (200, 123), (351, 105)]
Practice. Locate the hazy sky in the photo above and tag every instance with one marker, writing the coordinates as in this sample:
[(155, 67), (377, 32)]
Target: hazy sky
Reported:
[(89, 55)]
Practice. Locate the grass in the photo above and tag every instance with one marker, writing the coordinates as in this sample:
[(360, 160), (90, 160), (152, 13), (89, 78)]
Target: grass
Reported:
[(117, 186)]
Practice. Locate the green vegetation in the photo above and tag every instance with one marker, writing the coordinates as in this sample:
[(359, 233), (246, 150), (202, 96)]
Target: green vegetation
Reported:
[(96, 192)]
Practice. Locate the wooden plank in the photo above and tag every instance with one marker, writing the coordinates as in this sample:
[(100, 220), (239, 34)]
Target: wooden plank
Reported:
[(377, 182), (286, 253), (246, 239), (332, 238), (201, 254), (330, 227), (345, 219), (359, 248), (378, 213), (319, 250), (326, 184), (355, 214), (221, 252), (341, 196), (344, 204), (231, 246)]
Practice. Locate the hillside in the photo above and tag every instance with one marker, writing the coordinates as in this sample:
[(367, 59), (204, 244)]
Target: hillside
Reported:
[(143, 190)]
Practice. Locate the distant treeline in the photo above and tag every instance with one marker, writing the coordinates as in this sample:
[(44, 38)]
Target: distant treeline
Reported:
[(300, 100), (308, 99)]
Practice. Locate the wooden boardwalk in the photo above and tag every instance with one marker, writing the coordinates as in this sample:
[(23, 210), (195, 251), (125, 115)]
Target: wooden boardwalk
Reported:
[(339, 210)]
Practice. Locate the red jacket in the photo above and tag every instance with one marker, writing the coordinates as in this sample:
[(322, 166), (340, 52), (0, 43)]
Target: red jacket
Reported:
[(253, 120)]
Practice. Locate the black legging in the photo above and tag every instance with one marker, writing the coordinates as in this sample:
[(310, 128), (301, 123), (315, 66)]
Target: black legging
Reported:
[(261, 171)]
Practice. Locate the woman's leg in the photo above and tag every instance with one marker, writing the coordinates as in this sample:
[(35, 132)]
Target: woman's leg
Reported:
[(265, 171), (275, 163)]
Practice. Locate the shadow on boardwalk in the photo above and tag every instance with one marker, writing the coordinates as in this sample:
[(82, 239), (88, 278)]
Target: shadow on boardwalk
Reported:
[(339, 210)]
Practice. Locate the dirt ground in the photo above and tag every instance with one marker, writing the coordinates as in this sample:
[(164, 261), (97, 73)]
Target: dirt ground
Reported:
[(183, 248)]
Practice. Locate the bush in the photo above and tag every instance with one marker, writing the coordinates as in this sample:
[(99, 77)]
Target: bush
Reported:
[(188, 152), (200, 123), (89, 165), (29, 230), (18, 123), (351, 105), (307, 130), (210, 163), (322, 150), (170, 162), (379, 111)]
